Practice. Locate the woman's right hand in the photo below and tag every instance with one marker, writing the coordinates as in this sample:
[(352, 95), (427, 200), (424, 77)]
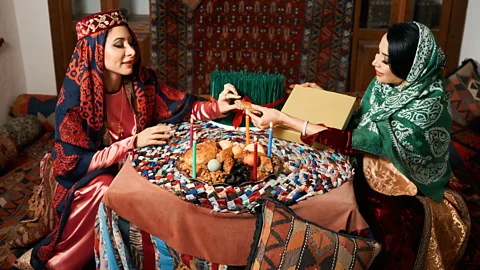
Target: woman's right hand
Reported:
[(268, 116), (156, 135)]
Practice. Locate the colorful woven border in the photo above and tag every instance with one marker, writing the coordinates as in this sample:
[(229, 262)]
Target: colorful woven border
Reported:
[(307, 171)]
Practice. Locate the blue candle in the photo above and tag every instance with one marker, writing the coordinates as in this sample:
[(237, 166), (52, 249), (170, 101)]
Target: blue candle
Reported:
[(270, 139)]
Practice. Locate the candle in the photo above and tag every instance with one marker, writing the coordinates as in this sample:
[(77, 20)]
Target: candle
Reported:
[(247, 128), (255, 157), (270, 139), (191, 132), (194, 157)]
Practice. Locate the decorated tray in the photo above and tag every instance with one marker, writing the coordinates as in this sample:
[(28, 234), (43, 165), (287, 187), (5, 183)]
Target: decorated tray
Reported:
[(299, 171)]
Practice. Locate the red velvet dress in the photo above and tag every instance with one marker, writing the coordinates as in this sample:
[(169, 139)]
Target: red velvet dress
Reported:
[(395, 221)]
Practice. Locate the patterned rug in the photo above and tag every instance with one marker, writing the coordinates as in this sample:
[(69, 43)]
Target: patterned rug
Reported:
[(303, 40)]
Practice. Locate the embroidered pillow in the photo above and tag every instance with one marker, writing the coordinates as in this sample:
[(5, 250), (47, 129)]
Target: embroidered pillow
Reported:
[(42, 219), (41, 106), (284, 241), (23, 129), (466, 148), (8, 152), (464, 85)]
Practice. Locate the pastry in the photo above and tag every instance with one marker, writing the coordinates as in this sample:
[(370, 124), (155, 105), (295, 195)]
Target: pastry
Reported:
[(229, 163), (247, 106)]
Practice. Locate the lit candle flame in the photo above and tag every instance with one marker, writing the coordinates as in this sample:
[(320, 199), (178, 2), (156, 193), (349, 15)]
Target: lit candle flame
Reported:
[(271, 124), (191, 120), (255, 138)]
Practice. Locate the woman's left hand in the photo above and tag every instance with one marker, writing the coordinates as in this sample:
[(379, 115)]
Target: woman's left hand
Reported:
[(229, 92)]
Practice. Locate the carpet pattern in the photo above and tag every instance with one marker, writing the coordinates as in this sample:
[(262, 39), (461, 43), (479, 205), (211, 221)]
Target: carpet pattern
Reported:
[(303, 40)]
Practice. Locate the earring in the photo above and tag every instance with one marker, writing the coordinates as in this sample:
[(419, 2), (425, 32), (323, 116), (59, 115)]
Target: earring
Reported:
[(401, 85)]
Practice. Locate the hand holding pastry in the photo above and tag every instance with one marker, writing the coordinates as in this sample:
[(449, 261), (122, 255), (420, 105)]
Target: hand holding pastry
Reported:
[(229, 92), (268, 115), (247, 107)]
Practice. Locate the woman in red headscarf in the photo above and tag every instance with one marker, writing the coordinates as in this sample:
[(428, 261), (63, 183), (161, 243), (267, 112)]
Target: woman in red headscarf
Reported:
[(108, 104)]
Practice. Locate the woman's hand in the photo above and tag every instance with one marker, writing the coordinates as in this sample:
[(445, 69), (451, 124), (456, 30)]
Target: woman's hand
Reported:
[(229, 92), (307, 84), (268, 115), (156, 135)]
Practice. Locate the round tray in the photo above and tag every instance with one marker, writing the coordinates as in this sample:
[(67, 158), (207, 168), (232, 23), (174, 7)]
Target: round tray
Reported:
[(306, 171)]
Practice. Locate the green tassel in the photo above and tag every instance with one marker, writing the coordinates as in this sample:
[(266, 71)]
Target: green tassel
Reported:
[(261, 88)]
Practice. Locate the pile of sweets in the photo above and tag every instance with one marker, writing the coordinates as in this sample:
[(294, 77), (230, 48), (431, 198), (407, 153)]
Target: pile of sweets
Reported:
[(224, 162), (306, 171)]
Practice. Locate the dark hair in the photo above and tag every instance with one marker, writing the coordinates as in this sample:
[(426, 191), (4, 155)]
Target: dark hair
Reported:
[(402, 46)]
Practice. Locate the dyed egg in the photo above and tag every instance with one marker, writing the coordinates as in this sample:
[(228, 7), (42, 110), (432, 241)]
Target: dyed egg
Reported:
[(237, 150), (213, 165), (249, 160)]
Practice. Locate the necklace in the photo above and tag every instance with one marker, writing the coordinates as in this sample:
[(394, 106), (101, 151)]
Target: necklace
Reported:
[(119, 121), (120, 128), (401, 85)]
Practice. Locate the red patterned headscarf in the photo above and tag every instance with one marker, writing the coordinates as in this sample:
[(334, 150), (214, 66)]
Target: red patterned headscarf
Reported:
[(80, 114), (80, 110)]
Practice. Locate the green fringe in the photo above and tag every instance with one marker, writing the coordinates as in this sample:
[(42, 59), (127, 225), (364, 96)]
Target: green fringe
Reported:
[(261, 88)]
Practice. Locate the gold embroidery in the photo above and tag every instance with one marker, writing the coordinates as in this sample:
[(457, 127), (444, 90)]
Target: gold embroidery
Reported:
[(99, 22), (383, 177), (446, 235)]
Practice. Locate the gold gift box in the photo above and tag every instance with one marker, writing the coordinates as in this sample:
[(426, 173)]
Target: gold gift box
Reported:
[(318, 107)]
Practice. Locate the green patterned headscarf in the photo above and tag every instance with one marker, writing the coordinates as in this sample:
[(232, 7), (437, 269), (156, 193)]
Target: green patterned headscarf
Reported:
[(411, 126)]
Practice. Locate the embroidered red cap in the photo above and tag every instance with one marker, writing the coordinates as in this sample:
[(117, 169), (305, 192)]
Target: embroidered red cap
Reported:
[(99, 21)]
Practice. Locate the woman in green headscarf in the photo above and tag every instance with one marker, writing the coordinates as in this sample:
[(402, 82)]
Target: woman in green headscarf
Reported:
[(401, 130)]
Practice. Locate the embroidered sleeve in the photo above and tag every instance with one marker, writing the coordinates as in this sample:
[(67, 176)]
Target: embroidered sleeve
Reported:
[(206, 110), (112, 154), (338, 140)]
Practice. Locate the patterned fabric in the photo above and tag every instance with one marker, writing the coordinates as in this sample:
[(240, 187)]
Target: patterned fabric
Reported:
[(98, 22), (466, 143), (80, 123), (42, 218), (41, 106), (449, 217), (120, 244), (285, 241), (395, 221), (23, 129), (23, 263), (16, 187), (303, 40), (466, 183), (411, 125), (464, 85), (8, 151)]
